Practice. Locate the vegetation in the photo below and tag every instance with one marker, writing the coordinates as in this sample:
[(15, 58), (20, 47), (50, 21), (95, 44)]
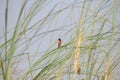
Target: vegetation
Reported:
[(90, 33)]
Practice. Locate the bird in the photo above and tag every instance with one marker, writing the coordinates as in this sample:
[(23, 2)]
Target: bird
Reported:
[(79, 70), (59, 42)]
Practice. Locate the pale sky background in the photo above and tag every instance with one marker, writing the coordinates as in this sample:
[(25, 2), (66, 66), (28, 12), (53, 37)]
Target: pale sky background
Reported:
[(63, 22), (65, 18)]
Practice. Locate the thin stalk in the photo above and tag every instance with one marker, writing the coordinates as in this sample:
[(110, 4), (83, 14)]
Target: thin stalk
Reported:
[(13, 44), (6, 54)]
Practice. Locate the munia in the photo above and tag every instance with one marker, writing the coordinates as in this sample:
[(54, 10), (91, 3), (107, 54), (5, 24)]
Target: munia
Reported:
[(79, 70), (59, 42)]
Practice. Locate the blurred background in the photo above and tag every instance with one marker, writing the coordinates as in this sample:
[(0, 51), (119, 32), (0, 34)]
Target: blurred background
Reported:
[(89, 30)]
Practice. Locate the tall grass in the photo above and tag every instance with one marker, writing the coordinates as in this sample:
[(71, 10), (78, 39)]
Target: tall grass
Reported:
[(90, 35)]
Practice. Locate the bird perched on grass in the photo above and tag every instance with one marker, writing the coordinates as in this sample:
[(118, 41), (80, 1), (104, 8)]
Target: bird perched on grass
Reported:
[(59, 42), (79, 70)]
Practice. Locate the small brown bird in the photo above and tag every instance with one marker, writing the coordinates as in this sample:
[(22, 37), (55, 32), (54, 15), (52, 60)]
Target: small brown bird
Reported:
[(59, 42), (79, 70)]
